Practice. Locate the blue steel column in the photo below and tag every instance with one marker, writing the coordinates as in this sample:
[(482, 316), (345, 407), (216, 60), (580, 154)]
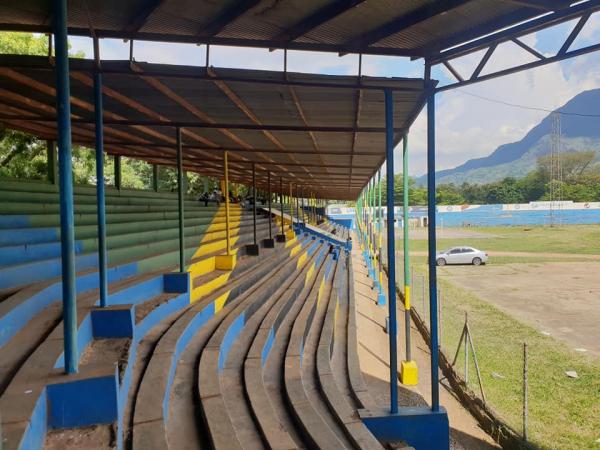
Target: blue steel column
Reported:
[(254, 203), (389, 148), (281, 203), (298, 204), (270, 195), (100, 197), (180, 201), (67, 221), (432, 240)]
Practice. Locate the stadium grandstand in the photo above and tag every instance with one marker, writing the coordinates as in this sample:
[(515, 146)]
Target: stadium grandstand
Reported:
[(150, 320)]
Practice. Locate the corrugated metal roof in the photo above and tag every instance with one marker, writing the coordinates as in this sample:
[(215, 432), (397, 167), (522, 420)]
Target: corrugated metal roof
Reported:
[(297, 126), (408, 27)]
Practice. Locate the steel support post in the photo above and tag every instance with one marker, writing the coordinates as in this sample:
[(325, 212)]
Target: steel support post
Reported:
[(117, 170), (51, 167), (291, 209), (281, 202), (298, 204), (67, 222), (227, 231), (409, 372), (180, 202), (270, 195), (100, 194), (380, 295), (405, 244), (254, 201), (389, 148), (432, 240), (302, 207), (155, 177)]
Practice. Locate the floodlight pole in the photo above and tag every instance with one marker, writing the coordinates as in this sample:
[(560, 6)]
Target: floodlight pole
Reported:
[(180, 201), (67, 221), (433, 307), (100, 194), (392, 332)]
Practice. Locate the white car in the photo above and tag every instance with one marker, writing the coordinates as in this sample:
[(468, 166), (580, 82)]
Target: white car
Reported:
[(461, 255)]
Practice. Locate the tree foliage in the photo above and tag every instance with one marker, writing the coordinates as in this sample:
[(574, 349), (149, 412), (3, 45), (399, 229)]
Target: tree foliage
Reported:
[(581, 183), (24, 156)]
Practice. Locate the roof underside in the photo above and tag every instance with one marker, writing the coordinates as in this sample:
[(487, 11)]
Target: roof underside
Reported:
[(323, 132), (408, 27)]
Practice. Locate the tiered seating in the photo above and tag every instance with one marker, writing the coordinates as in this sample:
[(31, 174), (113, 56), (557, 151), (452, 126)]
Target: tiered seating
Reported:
[(263, 355), (268, 371), (141, 249)]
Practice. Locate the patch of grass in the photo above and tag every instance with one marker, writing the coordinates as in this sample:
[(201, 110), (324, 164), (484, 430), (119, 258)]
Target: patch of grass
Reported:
[(420, 260), (564, 413), (576, 239)]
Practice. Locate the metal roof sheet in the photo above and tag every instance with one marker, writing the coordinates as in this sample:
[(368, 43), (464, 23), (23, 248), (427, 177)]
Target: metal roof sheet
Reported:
[(303, 128), (408, 27)]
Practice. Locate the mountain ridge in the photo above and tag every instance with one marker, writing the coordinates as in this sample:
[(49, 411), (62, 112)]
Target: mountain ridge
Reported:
[(578, 132)]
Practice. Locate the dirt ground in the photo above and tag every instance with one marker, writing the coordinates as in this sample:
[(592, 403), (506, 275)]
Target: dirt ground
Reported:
[(373, 352), (552, 297)]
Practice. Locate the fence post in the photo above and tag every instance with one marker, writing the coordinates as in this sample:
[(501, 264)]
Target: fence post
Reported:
[(466, 351), (525, 392), (441, 329)]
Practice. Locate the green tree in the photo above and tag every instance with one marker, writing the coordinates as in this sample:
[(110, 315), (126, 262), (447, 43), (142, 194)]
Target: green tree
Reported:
[(416, 195), (23, 44), (23, 155), (449, 194)]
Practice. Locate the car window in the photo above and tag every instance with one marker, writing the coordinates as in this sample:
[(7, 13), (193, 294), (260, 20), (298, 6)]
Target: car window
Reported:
[(455, 251), (467, 250)]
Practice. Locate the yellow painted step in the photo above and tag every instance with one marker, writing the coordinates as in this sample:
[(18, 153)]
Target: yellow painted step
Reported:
[(213, 283)]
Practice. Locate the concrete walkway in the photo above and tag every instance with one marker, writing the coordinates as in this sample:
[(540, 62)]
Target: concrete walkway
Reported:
[(373, 352)]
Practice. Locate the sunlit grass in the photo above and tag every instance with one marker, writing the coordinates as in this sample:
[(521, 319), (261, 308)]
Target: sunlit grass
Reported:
[(564, 413), (575, 239)]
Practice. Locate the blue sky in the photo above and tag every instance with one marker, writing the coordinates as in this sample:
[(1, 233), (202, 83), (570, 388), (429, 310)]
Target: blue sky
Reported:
[(467, 127)]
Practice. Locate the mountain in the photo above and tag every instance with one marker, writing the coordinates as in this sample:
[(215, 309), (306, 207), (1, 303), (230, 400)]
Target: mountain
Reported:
[(518, 158)]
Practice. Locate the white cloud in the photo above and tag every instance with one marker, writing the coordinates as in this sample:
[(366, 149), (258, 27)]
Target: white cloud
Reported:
[(467, 127)]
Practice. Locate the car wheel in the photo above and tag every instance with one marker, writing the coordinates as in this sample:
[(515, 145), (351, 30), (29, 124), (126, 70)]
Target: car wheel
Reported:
[(476, 261), (441, 262)]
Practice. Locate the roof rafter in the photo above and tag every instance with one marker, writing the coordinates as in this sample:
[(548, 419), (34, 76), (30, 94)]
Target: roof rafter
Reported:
[(225, 17), (413, 18), (141, 17), (319, 17), (544, 5), (508, 31)]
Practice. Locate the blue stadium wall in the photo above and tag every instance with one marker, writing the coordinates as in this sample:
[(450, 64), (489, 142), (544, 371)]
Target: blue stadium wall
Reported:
[(535, 213)]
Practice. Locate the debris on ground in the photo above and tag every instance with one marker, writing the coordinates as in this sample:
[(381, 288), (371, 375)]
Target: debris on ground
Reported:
[(498, 376), (571, 374)]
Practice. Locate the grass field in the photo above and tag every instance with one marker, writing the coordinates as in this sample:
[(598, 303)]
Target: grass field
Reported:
[(564, 413), (574, 239)]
